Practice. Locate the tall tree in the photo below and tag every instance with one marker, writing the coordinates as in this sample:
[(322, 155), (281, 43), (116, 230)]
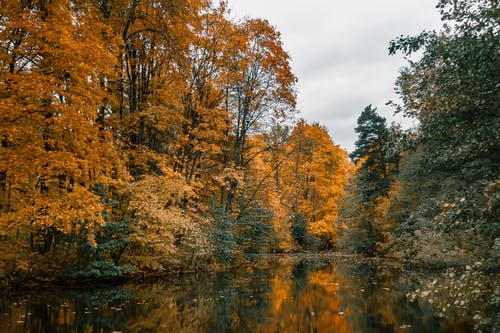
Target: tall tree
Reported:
[(375, 171), (206, 73), (375, 174), (263, 89), (313, 181), (56, 63)]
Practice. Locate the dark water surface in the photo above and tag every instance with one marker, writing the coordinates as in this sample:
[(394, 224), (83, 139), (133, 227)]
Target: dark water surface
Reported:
[(282, 295)]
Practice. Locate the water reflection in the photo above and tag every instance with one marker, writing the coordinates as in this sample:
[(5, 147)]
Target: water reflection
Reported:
[(280, 296)]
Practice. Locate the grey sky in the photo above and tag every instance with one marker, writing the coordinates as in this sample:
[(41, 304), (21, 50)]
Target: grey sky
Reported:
[(339, 53)]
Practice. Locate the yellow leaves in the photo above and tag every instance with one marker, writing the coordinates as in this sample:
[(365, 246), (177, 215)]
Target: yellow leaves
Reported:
[(158, 208), (91, 239), (229, 176), (12, 258), (51, 126), (64, 211), (266, 81), (316, 172), (304, 175), (323, 228)]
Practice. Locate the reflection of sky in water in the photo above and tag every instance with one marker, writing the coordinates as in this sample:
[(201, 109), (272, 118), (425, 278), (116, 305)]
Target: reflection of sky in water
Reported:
[(278, 297)]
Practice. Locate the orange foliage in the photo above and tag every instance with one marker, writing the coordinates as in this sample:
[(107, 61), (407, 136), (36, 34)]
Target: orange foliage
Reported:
[(54, 69), (145, 116), (314, 178)]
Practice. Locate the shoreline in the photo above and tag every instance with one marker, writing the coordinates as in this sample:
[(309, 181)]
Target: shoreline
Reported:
[(250, 260)]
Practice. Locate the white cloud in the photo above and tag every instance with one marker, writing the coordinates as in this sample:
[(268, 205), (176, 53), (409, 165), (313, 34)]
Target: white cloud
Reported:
[(339, 53)]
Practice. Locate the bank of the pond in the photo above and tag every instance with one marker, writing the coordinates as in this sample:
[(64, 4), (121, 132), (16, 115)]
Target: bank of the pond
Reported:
[(256, 260), (249, 260)]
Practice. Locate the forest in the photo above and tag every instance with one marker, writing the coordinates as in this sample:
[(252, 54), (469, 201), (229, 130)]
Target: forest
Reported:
[(148, 137)]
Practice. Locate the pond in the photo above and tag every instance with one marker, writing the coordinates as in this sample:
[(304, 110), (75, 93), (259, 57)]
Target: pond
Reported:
[(280, 295)]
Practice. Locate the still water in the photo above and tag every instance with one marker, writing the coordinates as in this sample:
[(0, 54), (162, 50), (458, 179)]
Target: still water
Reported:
[(280, 295)]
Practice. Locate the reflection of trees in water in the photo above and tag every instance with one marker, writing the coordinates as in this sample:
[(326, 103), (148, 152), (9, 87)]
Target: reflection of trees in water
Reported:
[(283, 296), (382, 306), (299, 274), (245, 297), (68, 310), (347, 297), (222, 314)]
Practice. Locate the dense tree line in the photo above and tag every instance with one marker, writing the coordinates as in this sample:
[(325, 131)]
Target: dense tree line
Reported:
[(149, 135), (433, 192)]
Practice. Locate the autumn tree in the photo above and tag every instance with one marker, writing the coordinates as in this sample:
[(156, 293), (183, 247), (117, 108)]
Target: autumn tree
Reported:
[(206, 73), (262, 90), (56, 63), (170, 99), (163, 233), (261, 203), (276, 158), (313, 182), (152, 34)]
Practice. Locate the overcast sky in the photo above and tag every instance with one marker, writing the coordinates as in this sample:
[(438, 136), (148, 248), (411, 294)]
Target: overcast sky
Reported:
[(339, 53)]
